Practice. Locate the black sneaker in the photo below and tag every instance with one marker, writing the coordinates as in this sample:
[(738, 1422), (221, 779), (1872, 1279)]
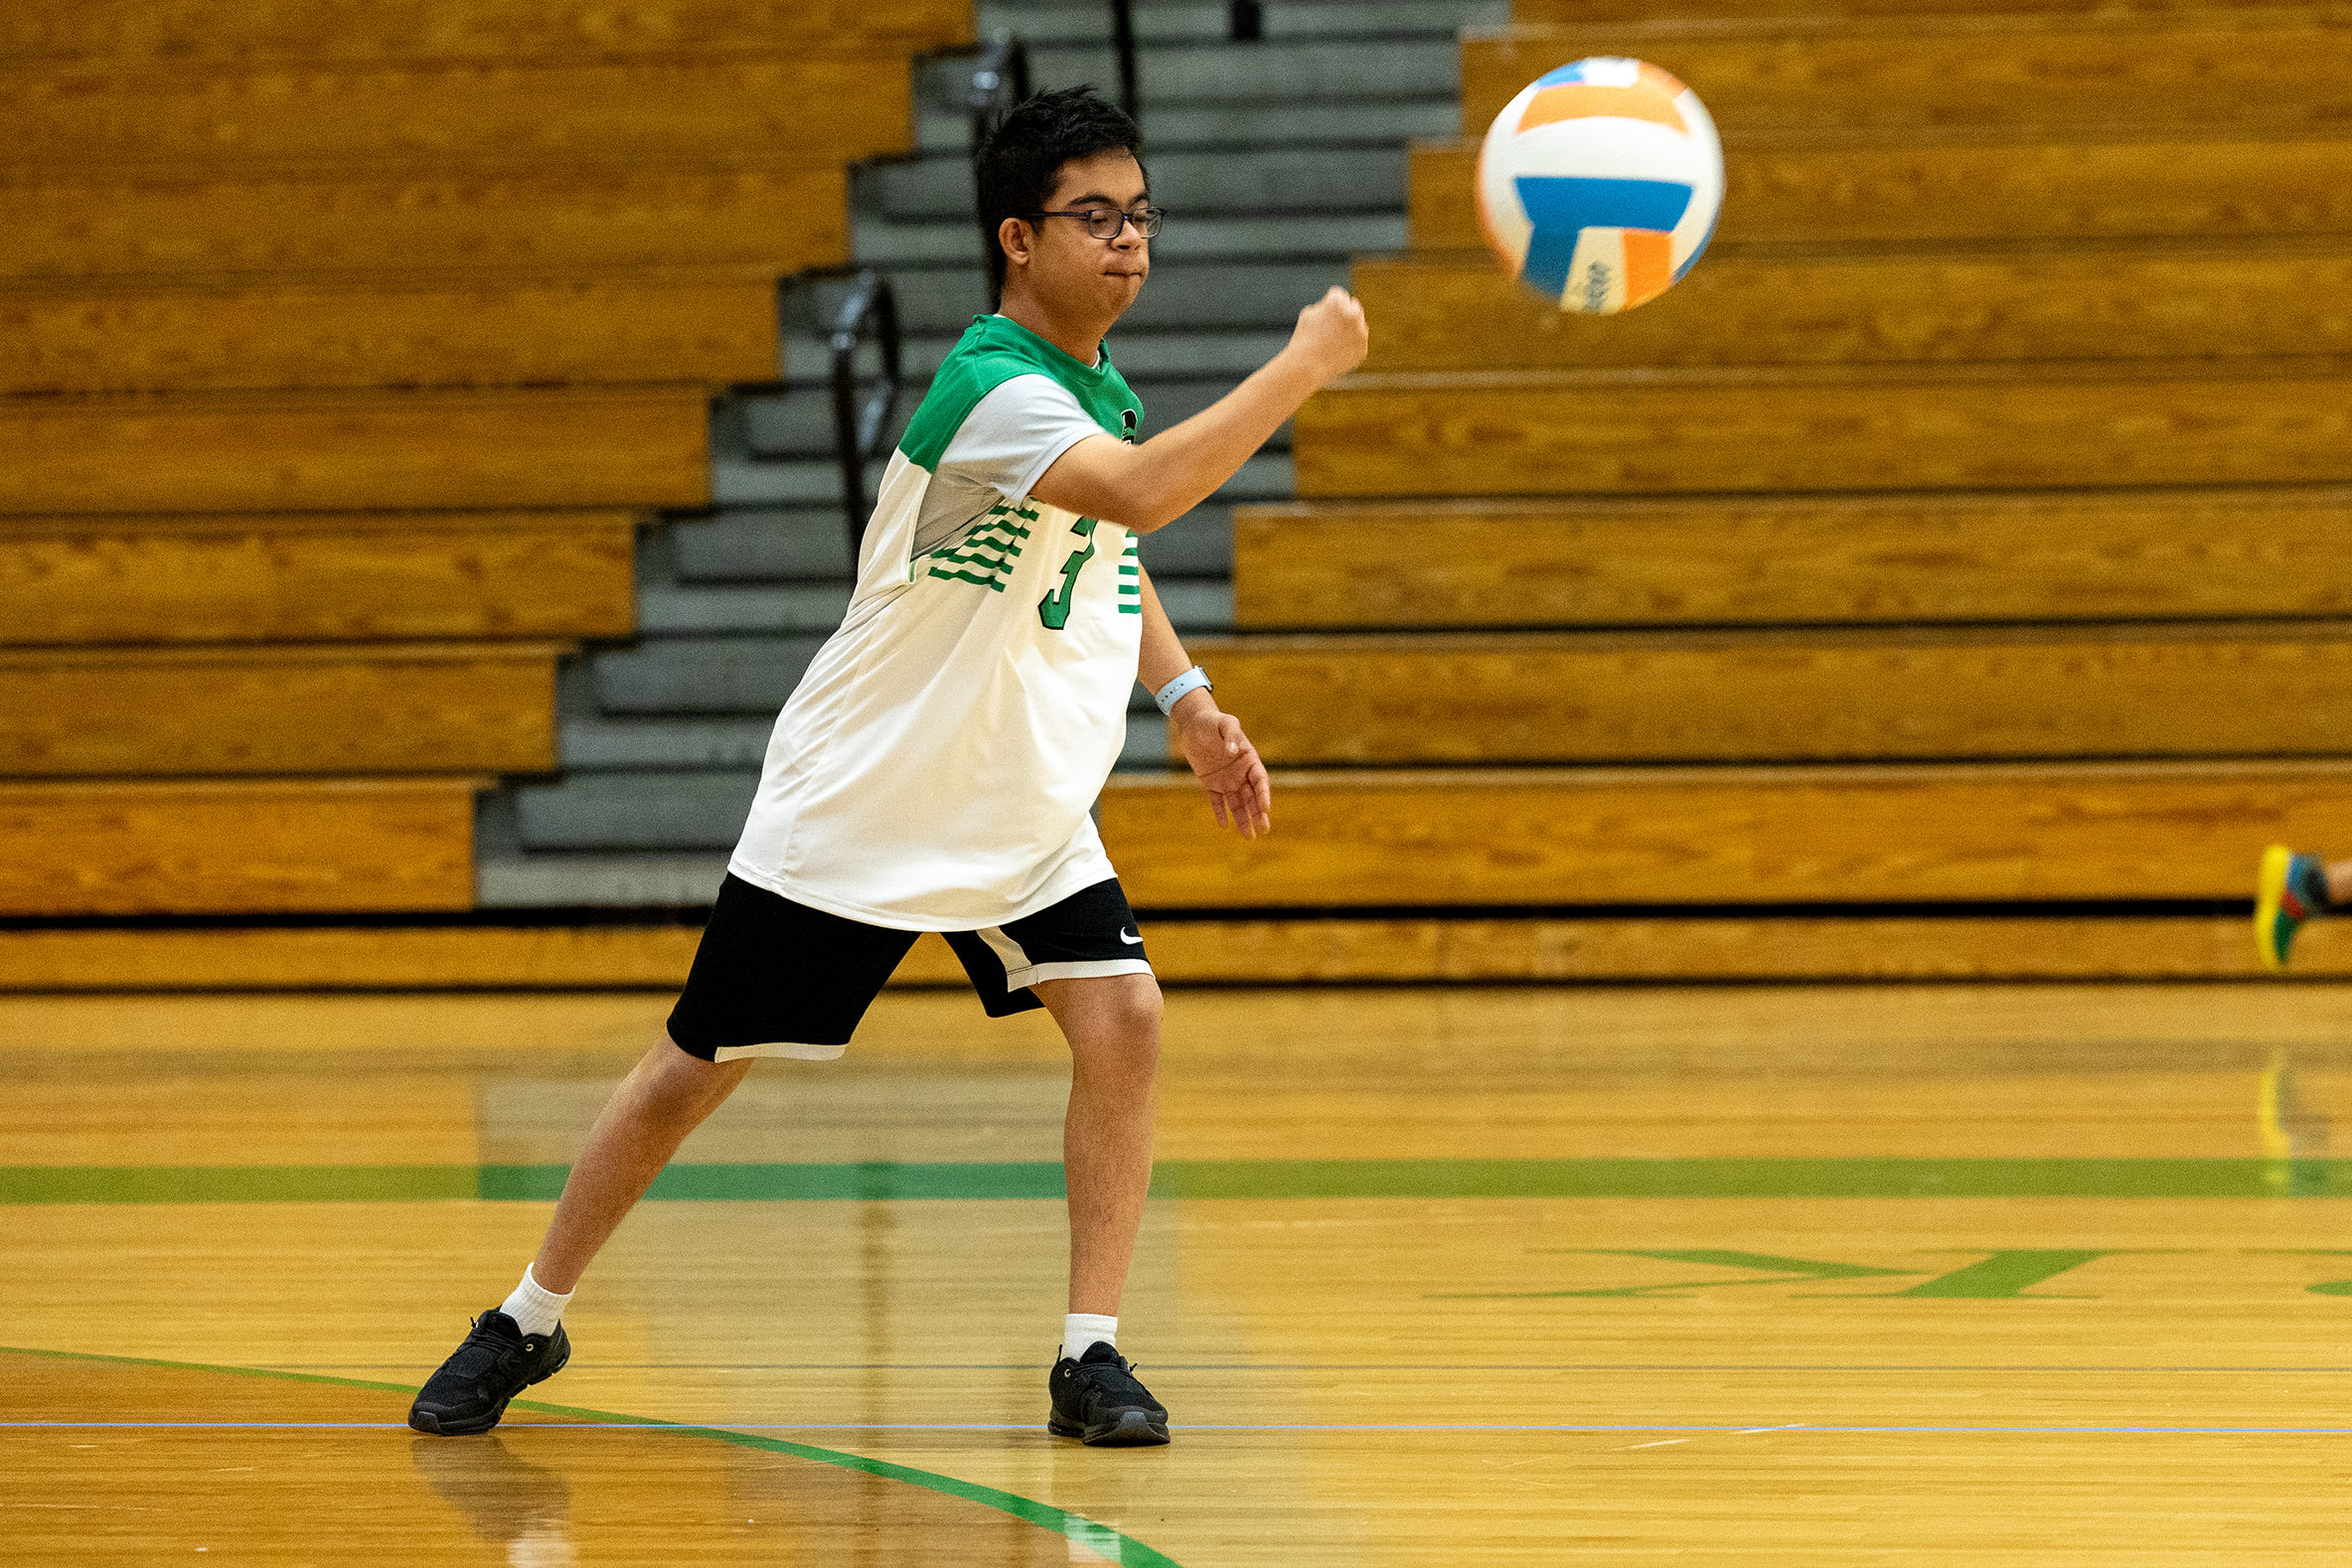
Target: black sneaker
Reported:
[(497, 1362), (1097, 1399)]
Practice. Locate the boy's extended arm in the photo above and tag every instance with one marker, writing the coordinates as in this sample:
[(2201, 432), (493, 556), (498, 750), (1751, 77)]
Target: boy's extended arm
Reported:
[(1145, 487), (1221, 757)]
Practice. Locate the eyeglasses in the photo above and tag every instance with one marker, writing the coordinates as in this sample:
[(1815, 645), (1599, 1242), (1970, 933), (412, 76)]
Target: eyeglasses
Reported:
[(1105, 223)]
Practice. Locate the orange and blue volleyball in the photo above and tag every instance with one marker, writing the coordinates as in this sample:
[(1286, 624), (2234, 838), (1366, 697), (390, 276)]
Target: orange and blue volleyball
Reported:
[(1599, 185)]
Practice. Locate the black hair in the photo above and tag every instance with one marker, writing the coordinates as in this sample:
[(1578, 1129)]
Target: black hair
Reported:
[(1021, 157)]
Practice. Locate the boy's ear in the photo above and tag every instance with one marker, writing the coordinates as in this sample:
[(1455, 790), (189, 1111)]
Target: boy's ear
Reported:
[(1014, 236)]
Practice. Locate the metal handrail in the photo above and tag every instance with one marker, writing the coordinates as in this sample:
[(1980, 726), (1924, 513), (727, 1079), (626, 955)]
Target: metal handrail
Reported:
[(1122, 40), (1003, 64), (859, 429)]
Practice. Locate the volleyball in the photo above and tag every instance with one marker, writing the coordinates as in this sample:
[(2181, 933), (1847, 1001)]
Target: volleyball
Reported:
[(1599, 185)]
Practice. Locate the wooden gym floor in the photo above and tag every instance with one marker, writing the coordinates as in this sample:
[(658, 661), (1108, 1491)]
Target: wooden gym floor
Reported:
[(1821, 1276)]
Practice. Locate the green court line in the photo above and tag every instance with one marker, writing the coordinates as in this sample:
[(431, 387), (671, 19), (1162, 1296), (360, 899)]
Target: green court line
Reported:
[(1103, 1540), (1211, 1179)]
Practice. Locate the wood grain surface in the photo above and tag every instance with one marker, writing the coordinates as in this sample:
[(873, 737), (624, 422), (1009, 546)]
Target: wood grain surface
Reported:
[(2282, 689), (2048, 555), (2226, 423), (1218, 952), (1567, 13), (1868, 305), (2048, 70), (215, 846), (178, 31), (1859, 187), (785, 216), (1922, 833), (331, 451), (392, 329), (306, 576), (369, 709), (817, 107)]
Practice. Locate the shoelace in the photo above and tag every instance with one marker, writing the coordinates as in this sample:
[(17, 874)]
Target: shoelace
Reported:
[(494, 1354), (1109, 1377)]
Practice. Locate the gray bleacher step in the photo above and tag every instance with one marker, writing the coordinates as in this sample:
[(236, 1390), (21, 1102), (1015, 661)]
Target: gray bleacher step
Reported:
[(703, 674), (883, 242), (1231, 355), (798, 607), (1197, 544), (670, 809), (1228, 352), (1270, 476), (1205, 182), (598, 881), (1274, 68), (743, 481), (763, 544), (1168, 401), (625, 745), (1169, 127), (794, 424), (615, 744), (1182, 295), (1206, 20), (1196, 604)]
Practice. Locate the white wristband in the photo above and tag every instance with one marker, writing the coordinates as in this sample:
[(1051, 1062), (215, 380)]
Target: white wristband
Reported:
[(1192, 680)]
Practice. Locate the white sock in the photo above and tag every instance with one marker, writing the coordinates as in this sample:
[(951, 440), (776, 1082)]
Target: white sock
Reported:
[(1082, 1328), (534, 1308)]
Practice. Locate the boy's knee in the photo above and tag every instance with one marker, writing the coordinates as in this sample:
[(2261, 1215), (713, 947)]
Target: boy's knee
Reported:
[(1120, 1022)]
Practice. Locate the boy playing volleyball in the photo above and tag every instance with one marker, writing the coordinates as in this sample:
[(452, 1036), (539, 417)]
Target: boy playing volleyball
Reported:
[(935, 767)]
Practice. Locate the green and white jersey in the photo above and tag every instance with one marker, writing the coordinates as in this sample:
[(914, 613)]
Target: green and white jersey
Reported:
[(935, 768)]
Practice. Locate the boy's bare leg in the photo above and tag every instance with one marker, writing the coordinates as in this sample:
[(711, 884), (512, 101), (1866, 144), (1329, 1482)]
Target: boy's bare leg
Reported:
[(1113, 1027), (665, 1097), (2338, 875)]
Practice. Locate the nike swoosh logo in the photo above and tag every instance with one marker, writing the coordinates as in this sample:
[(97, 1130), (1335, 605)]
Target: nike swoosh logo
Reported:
[(1132, 941)]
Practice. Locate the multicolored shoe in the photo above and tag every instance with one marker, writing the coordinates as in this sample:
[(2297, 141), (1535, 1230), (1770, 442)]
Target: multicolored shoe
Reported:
[(2290, 890)]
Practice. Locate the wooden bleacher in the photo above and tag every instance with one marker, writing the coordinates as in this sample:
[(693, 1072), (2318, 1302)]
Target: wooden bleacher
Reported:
[(2204, 553), (342, 350), (2004, 303), (2093, 70), (267, 578), (239, 332), (1965, 530), (1831, 694)]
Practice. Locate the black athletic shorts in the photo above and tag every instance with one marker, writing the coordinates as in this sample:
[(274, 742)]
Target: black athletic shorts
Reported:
[(773, 978)]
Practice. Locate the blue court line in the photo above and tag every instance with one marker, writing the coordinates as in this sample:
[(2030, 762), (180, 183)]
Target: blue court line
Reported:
[(1753, 1429)]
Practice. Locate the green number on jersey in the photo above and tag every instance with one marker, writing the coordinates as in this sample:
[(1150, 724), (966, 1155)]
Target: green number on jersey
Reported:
[(1055, 609)]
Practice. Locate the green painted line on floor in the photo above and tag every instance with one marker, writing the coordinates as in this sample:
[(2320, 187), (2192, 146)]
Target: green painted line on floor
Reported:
[(1209, 1178), (1103, 1541)]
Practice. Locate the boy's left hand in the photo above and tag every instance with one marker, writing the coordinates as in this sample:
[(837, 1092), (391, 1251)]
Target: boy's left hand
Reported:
[(1228, 766)]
